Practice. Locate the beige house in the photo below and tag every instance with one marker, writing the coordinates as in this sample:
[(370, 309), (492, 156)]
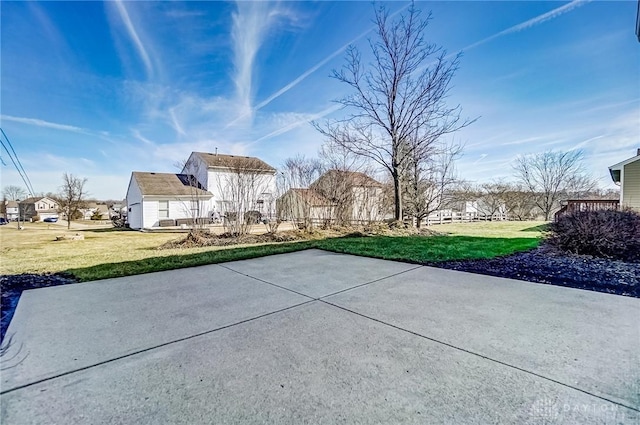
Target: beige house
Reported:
[(304, 206), (626, 174), (42, 207), (339, 197), (357, 196)]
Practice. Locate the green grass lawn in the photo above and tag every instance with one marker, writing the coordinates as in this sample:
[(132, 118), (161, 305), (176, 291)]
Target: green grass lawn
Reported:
[(417, 249), (106, 253)]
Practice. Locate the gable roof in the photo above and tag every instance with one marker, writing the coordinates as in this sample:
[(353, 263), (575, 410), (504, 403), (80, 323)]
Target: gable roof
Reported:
[(614, 170), (312, 197), (34, 199), (167, 184), (234, 162), (355, 178)]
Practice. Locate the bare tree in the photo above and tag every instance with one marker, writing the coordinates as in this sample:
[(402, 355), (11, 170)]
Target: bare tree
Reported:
[(399, 98), (429, 176), (549, 176), (519, 203), (245, 189), (296, 202), (196, 208), (13, 193), (71, 197), (491, 199)]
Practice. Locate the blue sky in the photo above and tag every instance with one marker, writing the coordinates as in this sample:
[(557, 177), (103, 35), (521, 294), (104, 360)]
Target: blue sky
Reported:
[(103, 89)]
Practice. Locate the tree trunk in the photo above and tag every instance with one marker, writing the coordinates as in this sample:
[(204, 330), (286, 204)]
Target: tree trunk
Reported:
[(397, 195)]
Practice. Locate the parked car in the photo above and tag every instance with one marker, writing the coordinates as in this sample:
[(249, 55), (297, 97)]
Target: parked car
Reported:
[(3, 221), (50, 219)]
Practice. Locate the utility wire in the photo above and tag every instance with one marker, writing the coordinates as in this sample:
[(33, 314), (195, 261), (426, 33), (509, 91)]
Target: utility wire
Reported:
[(16, 162)]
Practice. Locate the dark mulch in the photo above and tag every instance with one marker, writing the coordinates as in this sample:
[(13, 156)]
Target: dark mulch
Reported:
[(542, 265), (548, 265)]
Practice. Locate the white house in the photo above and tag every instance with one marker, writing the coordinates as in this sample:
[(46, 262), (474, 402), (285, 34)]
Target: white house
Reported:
[(237, 183), (210, 183), (155, 199), (10, 210)]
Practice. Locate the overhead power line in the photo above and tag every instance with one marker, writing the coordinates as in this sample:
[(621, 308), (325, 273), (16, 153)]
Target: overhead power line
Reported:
[(16, 162)]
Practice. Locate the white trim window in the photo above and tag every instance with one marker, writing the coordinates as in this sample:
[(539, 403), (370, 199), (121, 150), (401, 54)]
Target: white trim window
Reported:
[(163, 209)]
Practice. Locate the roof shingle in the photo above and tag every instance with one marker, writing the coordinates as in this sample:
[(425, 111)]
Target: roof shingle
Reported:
[(234, 162), (168, 184)]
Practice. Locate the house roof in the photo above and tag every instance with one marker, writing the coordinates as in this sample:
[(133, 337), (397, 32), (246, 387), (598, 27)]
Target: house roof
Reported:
[(168, 184), (34, 199), (11, 204), (312, 197), (614, 170), (234, 162), (355, 178)]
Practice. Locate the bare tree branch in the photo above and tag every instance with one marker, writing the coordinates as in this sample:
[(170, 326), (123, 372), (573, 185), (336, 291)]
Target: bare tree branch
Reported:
[(399, 97)]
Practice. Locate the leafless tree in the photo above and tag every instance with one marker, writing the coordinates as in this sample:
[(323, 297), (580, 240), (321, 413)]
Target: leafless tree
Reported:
[(550, 176), (519, 203), (491, 199), (295, 202), (195, 207), (429, 176), (13, 193), (400, 97), (71, 197), (244, 188)]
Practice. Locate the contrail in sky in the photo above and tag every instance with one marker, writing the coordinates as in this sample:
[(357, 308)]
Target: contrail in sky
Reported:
[(531, 22), (134, 36), (308, 72)]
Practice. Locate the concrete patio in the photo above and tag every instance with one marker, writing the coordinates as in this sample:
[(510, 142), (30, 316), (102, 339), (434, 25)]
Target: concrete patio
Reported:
[(321, 338)]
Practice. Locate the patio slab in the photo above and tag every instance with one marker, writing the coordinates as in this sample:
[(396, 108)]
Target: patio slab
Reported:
[(585, 339), (318, 273), (398, 344), (64, 328), (312, 364)]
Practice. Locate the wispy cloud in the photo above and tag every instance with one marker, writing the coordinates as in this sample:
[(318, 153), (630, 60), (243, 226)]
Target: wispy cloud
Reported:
[(250, 24), (531, 22), (307, 73), (41, 123), (142, 52), (482, 156), (299, 119)]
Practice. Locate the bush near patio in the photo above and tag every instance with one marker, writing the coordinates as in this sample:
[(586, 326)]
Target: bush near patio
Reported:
[(606, 233)]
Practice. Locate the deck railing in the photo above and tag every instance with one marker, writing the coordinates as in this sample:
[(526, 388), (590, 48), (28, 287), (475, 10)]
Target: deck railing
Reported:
[(573, 205)]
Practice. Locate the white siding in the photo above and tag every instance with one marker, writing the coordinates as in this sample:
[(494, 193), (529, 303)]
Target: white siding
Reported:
[(149, 213), (134, 205)]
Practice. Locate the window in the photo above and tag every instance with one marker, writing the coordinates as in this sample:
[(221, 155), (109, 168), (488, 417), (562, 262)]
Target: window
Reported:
[(163, 209)]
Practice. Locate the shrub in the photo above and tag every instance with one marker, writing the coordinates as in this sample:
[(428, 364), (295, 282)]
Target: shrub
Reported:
[(605, 233), (35, 218)]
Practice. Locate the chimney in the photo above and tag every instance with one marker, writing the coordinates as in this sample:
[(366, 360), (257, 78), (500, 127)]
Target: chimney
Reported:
[(217, 151), (638, 151)]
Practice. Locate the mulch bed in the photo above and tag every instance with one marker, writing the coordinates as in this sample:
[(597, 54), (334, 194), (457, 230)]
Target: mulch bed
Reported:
[(548, 265)]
